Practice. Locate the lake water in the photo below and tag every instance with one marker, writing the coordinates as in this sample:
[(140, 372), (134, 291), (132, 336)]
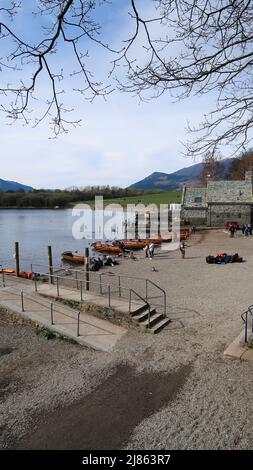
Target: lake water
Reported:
[(35, 230)]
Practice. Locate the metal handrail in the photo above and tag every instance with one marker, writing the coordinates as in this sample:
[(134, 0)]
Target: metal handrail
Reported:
[(140, 297), (81, 281), (52, 310), (120, 287), (244, 317), (163, 292)]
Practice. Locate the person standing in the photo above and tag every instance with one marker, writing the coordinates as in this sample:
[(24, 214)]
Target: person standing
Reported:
[(232, 231), (182, 249), (146, 250)]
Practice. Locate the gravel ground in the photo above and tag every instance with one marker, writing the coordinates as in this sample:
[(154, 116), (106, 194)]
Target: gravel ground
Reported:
[(201, 400)]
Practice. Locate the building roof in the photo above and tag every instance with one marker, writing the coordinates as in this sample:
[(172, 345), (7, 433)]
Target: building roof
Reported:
[(226, 192)]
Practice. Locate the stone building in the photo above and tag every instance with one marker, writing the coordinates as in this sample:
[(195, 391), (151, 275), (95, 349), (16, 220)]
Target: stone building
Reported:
[(219, 202)]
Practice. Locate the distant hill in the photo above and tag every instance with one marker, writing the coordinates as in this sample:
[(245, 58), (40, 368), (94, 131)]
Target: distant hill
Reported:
[(13, 186), (169, 181)]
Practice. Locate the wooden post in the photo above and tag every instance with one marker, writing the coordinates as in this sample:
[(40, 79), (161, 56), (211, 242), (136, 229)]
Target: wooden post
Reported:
[(147, 224), (125, 228), (136, 226), (50, 264), (87, 269), (159, 222), (17, 258)]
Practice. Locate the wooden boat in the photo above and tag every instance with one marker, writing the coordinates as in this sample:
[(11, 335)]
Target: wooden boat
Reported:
[(107, 248), (12, 272), (9, 271), (133, 244), (72, 257), (26, 275)]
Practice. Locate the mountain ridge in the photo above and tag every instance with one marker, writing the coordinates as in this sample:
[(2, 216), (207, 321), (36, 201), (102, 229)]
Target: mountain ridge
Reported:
[(6, 185), (167, 181)]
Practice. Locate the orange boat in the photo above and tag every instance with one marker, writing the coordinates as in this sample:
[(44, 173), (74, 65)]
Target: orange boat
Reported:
[(133, 244), (107, 248), (72, 257), (12, 272), (26, 275)]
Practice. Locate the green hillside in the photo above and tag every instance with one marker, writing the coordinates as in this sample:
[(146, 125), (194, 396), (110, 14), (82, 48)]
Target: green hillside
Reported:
[(159, 198)]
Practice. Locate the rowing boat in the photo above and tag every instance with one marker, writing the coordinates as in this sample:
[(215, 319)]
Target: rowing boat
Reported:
[(72, 257), (107, 248)]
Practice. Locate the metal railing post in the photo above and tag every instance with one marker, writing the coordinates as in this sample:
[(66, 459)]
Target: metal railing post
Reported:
[(130, 300), (77, 285), (246, 329), (119, 283), (57, 286), (149, 316), (22, 301), (109, 295), (78, 324), (100, 283), (146, 290), (35, 282), (165, 302), (81, 290), (51, 313)]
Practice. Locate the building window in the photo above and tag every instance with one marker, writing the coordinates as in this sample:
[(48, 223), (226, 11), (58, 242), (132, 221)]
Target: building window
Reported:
[(198, 200)]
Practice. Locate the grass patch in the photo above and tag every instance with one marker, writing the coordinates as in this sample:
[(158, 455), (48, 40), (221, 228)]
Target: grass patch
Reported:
[(167, 197), (45, 333)]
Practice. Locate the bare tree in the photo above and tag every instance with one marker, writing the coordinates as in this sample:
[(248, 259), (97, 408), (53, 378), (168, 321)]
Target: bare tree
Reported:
[(242, 164), (190, 47), (54, 23), (212, 167), (204, 46)]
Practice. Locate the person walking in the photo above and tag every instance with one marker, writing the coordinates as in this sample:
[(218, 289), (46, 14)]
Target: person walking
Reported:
[(151, 250)]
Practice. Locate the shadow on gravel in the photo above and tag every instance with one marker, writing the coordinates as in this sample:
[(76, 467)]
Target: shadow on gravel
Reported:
[(4, 351), (105, 418)]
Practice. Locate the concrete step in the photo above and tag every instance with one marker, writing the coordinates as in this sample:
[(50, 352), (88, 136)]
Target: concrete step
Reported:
[(138, 310), (159, 326), (155, 318), (142, 316)]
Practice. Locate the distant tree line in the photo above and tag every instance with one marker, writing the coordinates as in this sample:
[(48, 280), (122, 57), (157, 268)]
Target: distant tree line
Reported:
[(42, 198)]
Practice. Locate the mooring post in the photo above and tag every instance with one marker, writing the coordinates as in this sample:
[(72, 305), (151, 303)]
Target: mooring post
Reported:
[(159, 223), (125, 228), (136, 226), (17, 258), (87, 270), (147, 216), (22, 301), (50, 264)]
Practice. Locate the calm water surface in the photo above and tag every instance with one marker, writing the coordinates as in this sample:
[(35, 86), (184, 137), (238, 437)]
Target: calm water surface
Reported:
[(35, 230)]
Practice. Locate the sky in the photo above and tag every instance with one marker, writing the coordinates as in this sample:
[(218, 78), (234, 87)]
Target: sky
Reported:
[(120, 141)]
